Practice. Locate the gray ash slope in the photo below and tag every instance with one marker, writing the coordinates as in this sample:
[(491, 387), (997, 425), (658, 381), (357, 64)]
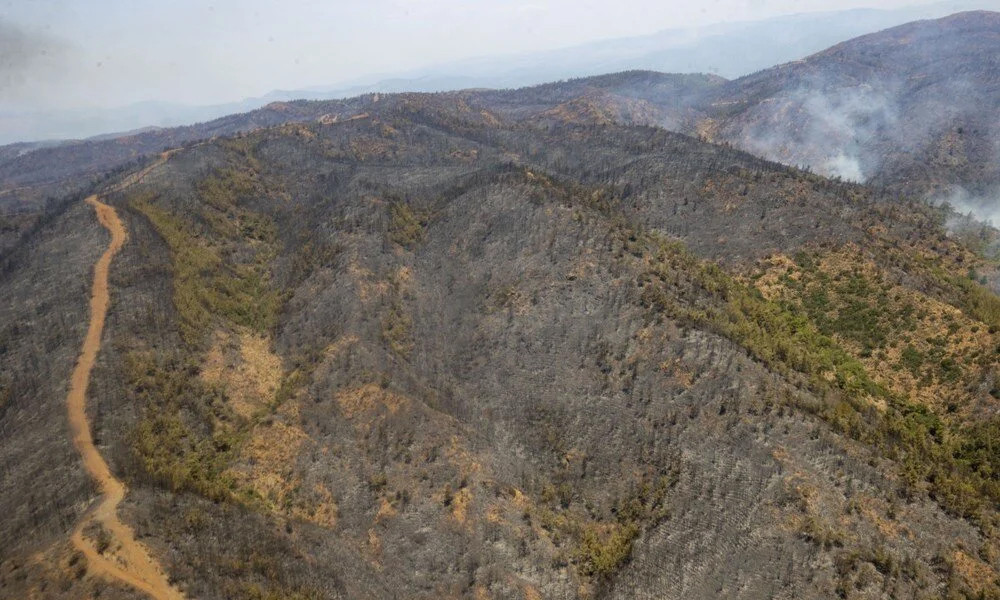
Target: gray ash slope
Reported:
[(916, 106), (444, 351)]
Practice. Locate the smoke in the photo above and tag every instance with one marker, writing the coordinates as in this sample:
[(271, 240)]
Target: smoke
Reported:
[(974, 218), (843, 166), (983, 208), (26, 59), (827, 128)]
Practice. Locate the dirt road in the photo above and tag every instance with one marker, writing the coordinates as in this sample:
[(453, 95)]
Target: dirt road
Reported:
[(125, 560)]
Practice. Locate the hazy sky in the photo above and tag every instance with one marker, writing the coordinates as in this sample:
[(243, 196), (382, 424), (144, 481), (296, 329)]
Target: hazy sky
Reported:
[(62, 53)]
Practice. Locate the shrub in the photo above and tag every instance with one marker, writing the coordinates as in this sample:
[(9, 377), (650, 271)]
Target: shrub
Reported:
[(603, 549), (406, 227)]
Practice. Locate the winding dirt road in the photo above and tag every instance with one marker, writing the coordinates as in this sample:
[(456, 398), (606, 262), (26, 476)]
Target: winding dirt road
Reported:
[(131, 563)]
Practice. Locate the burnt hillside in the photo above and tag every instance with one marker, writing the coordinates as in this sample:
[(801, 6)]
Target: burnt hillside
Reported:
[(448, 350), (915, 106)]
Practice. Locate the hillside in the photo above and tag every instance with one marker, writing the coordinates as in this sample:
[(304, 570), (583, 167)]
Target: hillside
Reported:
[(28, 172), (34, 176), (915, 107), (461, 345)]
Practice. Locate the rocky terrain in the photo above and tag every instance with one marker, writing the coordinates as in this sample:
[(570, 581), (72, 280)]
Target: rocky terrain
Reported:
[(503, 344)]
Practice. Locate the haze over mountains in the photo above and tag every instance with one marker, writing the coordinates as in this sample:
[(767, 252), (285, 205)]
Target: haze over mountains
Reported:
[(913, 107), (593, 338), (730, 50)]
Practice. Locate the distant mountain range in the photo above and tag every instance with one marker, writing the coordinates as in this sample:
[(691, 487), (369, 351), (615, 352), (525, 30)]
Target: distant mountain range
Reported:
[(729, 50), (914, 107)]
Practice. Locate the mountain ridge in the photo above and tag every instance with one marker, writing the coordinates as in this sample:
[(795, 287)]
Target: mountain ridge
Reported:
[(728, 49), (519, 344), (436, 347), (863, 102), (16, 170)]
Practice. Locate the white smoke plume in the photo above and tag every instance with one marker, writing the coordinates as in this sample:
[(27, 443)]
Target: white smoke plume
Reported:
[(824, 127), (846, 167), (983, 208)]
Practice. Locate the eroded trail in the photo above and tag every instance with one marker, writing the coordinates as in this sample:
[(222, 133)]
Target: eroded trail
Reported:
[(131, 563)]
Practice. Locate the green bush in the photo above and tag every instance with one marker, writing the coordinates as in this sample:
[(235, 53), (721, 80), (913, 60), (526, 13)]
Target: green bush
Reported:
[(601, 552), (188, 434), (950, 460), (396, 331), (406, 227), (911, 359), (205, 287)]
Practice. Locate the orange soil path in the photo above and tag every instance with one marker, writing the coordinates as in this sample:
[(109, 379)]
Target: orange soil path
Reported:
[(132, 565)]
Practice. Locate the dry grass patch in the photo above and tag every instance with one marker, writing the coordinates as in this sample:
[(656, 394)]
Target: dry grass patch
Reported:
[(369, 289), (460, 505), (247, 367), (977, 574), (266, 468), (368, 400), (918, 347)]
